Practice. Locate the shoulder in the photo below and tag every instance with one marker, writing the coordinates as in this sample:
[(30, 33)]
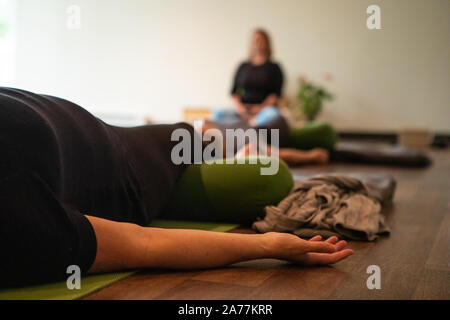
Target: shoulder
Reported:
[(275, 68), (244, 65), (275, 65)]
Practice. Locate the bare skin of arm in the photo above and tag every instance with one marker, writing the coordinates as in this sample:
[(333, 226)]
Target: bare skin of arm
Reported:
[(296, 157), (292, 157), (122, 246), (271, 100)]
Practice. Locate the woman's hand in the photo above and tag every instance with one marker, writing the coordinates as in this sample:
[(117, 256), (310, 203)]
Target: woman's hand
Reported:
[(271, 100), (243, 111), (318, 155), (291, 248), (254, 109), (241, 108)]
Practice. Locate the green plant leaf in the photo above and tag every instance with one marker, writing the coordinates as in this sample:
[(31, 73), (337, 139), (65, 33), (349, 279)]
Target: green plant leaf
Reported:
[(3, 29), (311, 98)]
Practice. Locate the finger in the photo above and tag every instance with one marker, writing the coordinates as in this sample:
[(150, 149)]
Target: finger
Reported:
[(325, 259), (332, 239), (341, 245), (320, 246)]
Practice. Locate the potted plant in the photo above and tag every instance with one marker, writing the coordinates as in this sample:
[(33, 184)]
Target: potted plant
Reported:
[(3, 28), (310, 98)]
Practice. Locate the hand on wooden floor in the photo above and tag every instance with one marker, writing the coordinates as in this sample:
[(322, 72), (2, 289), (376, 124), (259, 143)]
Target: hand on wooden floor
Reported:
[(291, 248)]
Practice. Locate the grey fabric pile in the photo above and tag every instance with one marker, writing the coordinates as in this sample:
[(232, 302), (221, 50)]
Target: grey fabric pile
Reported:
[(348, 206)]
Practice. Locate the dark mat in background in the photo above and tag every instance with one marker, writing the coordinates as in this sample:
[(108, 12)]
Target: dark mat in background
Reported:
[(379, 153)]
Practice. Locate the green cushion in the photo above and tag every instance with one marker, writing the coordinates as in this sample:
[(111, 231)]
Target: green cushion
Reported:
[(313, 135), (233, 193)]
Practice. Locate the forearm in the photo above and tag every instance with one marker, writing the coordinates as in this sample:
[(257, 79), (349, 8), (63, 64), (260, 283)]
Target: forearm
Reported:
[(241, 109), (297, 157), (236, 101), (123, 246), (271, 100), (129, 246), (191, 249)]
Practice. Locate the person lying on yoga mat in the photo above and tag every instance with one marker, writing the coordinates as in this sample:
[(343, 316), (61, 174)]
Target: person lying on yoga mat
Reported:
[(256, 90), (76, 191)]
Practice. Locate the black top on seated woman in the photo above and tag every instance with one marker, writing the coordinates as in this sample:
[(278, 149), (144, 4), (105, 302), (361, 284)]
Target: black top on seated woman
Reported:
[(254, 83)]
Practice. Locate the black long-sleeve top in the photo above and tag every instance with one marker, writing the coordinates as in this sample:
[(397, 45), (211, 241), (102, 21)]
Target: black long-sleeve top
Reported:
[(253, 83)]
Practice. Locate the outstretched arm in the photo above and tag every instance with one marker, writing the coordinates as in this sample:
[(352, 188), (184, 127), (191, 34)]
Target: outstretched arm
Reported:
[(292, 157), (128, 246)]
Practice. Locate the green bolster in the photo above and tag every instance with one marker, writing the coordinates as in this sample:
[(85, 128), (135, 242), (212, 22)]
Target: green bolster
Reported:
[(233, 193), (313, 135)]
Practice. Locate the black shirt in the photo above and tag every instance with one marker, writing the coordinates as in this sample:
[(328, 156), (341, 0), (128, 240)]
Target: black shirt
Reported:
[(255, 82)]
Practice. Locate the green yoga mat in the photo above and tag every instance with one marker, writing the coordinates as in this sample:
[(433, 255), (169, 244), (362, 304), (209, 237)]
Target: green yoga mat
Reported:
[(89, 284)]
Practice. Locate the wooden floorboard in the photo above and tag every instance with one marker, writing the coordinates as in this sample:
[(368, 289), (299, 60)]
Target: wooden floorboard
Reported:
[(414, 259)]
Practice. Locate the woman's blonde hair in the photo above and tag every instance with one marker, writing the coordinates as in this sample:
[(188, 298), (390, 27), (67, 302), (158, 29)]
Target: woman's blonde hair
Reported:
[(266, 37)]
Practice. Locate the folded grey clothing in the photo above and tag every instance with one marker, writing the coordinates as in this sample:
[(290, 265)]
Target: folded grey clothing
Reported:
[(333, 204), (380, 186)]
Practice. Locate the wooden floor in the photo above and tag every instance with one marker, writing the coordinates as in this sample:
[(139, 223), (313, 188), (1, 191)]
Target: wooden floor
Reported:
[(414, 259)]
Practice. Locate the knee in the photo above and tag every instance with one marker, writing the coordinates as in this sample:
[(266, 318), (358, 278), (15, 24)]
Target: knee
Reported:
[(266, 115), (224, 115)]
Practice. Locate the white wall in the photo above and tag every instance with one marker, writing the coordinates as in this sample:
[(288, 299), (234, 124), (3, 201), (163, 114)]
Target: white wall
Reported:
[(7, 42), (157, 56)]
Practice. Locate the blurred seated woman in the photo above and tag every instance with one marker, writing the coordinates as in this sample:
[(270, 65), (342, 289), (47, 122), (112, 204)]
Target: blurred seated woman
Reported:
[(256, 91)]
